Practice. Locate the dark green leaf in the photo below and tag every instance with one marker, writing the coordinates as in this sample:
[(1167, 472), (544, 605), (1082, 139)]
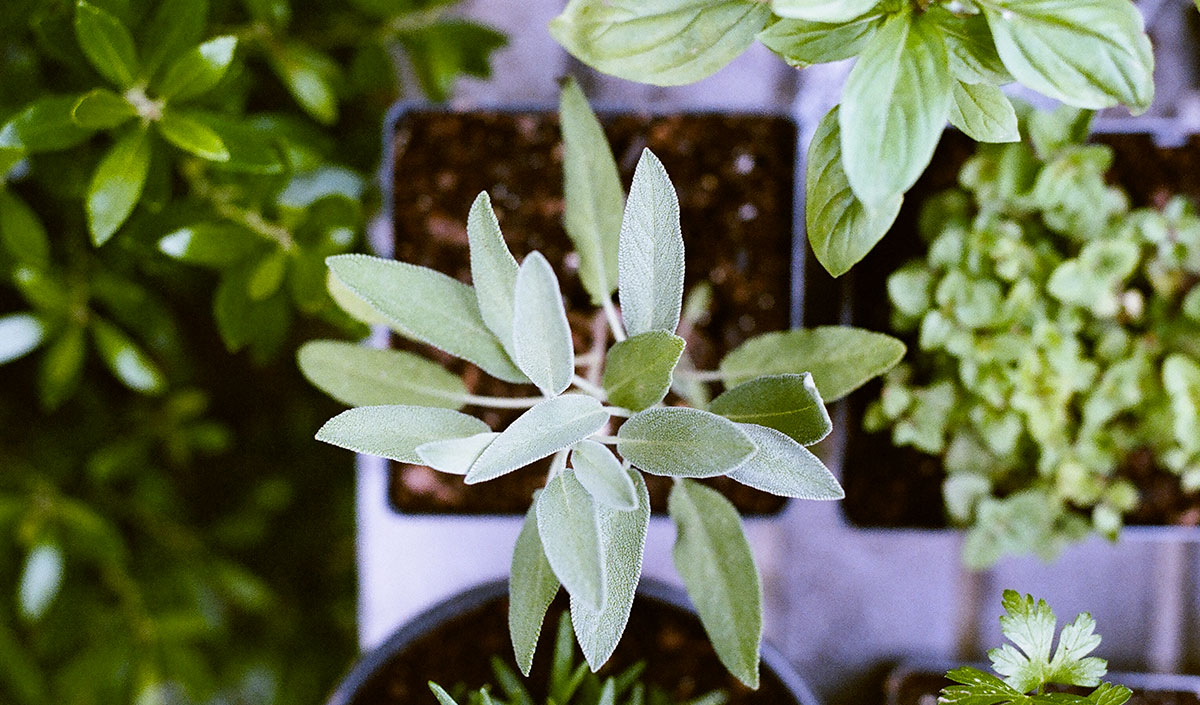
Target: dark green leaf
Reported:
[(199, 70), (446, 50), (212, 244), (117, 185), (789, 403), (22, 232), (175, 26), (637, 371), (310, 77), (106, 43), (102, 110), (61, 367)]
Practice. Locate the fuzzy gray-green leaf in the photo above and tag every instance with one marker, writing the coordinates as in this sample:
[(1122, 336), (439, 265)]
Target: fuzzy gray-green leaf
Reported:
[(831, 11), (493, 270), (360, 376), (638, 370), (426, 306), (542, 346), (681, 442), (455, 455), (785, 468), (984, 113), (789, 403), (532, 585), (547, 428), (713, 557), (602, 475), (568, 527), (650, 261), (395, 431)]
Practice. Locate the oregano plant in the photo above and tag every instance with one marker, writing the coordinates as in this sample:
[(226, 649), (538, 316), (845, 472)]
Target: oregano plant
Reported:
[(919, 64), (604, 421)]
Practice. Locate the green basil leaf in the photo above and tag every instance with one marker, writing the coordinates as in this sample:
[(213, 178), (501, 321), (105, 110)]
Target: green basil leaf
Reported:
[(984, 113), (834, 11), (894, 108), (803, 43), (638, 370), (623, 534), (455, 455), (593, 195), (713, 557), (310, 77), (41, 579), (22, 232), (493, 270), (532, 586), (650, 254), (970, 47), (570, 533), (199, 70), (211, 244), (681, 442), (362, 376), (602, 475), (117, 185), (840, 358), (542, 346), (20, 334), (841, 228), (45, 125), (426, 306), (1086, 53), (667, 43), (789, 403), (128, 363), (102, 109), (785, 468), (61, 367), (106, 43), (395, 431), (553, 425), (191, 135)]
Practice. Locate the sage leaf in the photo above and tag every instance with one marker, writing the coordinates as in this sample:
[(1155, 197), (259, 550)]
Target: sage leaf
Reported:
[(841, 228), (785, 468), (623, 534), (199, 70), (665, 43), (553, 425), (352, 304), (802, 43), (681, 442), (789, 403), (532, 586), (46, 125), (106, 43), (713, 557), (894, 108), (493, 270), (832, 11), (1087, 53), (102, 109), (650, 257), (360, 376), (22, 232), (638, 370), (395, 431), (594, 198), (41, 579), (192, 136), (568, 527), (542, 346), (602, 475), (455, 455), (984, 113), (117, 185), (128, 363), (426, 306), (840, 358), (20, 334)]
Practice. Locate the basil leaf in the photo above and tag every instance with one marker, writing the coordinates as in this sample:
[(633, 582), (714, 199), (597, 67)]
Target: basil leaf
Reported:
[(551, 426), (198, 70), (638, 370), (789, 403), (650, 256), (570, 533), (602, 475), (532, 586), (970, 47), (395, 431), (803, 43), (192, 136), (542, 346), (785, 468), (493, 270), (106, 43), (102, 109), (681, 442), (117, 185), (362, 376), (832, 11), (984, 113)]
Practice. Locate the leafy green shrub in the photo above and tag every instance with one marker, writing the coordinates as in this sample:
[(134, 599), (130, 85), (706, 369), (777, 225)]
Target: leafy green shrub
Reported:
[(1056, 330), (1029, 668), (919, 64), (587, 528)]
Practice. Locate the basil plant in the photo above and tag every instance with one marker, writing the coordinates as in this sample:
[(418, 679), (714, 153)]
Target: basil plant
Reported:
[(603, 420), (919, 64)]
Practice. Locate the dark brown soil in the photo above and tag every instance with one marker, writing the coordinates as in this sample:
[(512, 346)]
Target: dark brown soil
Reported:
[(735, 177), (901, 487), (921, 688), (671, 642)]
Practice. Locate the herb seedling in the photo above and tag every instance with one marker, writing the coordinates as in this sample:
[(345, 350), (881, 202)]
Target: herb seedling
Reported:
[(587, 528), (1027, 666), (919, 64)]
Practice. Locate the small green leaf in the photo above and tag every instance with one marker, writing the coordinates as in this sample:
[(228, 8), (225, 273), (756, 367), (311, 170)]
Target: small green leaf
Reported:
[(266, 276), (61, 367), (395, 431), (602, 475), (362, 376), (802, 43), (20, 334), (789, 403), (713, 557), (212, 244), (117, 185), (984, 113), (532, 585), (252, 149), (681, 442), (785, 468), (568, 526), (493, 270), (841, 229), (310, 77), (638, 370), (41, 579), (442, 696), (666, 43), (45, 125), (199, 70), (22, 232), (427, 306), (192, 136), (594, 198), (126, 360), (542, 346), (551, 426), (650, 257), (832, 11), (102, 110), (840, 358), (106, 43), (175, 26), (444, 51), (455, 455)]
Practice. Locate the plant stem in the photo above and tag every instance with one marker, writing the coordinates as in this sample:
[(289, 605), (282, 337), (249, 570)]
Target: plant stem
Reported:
[(619, 411), (500, 402), (614, 320), (703, 375), (557, 465), (222, 203), (606, 440), (588, 387)]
